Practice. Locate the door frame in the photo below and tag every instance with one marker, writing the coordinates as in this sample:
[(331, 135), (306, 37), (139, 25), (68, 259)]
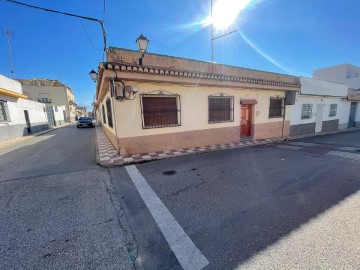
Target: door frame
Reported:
[(251, 119), (27, 121), (319, 117)]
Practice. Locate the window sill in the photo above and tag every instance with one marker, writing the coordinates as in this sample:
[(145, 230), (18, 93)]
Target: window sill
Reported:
[(162, 126), (217, 122)]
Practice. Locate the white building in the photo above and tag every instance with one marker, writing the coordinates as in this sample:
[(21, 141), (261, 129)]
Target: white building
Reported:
[(349, 75), (18, 115), (320, 106), (344, 73)]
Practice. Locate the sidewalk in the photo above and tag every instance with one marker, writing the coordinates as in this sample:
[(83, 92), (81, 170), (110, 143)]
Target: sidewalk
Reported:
[(107, 155), (32, 135)]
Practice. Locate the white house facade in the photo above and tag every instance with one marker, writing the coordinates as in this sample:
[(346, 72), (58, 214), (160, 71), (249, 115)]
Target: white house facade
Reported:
[(320, 106), (18, 115)]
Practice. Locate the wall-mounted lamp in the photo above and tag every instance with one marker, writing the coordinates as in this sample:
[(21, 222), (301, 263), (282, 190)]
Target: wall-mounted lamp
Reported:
[(93, 75), (142, 43)]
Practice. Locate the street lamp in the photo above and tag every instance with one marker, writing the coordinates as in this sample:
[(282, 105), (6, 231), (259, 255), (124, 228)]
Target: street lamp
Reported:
[(142, 43), (93, 75)]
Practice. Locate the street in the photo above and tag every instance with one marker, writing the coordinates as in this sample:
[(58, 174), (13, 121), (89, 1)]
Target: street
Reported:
[(286, 205), (56, 212)]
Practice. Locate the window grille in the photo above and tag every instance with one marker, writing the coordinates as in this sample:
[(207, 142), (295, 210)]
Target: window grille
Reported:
[(333, 109), (221, 109), (109, 112), (276, 107), (4, 112), (160, 110), (103, 113), (306, 111)]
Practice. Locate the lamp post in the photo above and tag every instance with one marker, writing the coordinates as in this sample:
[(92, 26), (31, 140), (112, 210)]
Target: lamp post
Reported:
[(142, 43), (93, 75)]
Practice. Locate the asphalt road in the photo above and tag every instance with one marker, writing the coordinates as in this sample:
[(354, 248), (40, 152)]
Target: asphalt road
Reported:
[(56, 206), (262, 207)]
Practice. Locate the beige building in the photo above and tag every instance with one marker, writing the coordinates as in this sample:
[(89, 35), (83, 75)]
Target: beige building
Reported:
[(81, 111), (51, 92), (171, 103)]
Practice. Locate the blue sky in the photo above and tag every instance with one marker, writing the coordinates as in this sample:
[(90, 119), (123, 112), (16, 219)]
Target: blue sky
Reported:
[(290, 37)]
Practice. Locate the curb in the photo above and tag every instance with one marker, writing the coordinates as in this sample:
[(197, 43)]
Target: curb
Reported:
[(137, 159)]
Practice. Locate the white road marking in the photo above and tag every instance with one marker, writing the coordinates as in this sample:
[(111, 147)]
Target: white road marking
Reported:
[(290, 147), (188, 255), (303, 144), (353, 149), (347, 155)]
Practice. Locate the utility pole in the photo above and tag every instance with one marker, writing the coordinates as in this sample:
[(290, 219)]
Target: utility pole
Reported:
[(8, 35)]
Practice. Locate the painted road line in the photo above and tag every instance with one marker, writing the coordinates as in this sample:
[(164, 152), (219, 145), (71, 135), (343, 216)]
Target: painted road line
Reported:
[(289, 147), (347, 155), (352, 149), (188, 255), (303, 144)]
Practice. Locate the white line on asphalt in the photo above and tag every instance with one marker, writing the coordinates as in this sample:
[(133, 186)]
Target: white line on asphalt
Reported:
[(303, 144), (347, 155), (188, 255), (290, 147)]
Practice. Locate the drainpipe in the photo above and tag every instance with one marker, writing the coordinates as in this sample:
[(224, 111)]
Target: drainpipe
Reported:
[(283, 126), (114, 114)]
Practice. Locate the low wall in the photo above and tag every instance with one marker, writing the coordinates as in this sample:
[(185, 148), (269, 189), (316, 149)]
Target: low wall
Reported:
[(302, 129), (271, 130), (8, 132), (330, 125), (178, 140)]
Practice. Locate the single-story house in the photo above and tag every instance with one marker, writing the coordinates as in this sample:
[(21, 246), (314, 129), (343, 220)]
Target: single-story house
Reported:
[(320, 106), (18, 115), (168, 103)]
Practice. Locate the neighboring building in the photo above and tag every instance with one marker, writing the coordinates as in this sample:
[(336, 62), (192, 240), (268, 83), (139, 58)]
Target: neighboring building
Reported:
[(18, 115), (172, 103), (56, 115), (81, 111), (349, 75), (344, 73), (51, 92), (320, 106)]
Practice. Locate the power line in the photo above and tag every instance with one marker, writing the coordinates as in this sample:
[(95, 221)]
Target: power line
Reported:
[(88, 36), (8, 35), (101, 22)]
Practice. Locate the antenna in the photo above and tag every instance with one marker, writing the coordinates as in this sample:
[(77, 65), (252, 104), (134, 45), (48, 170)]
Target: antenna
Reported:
[(8, 34)]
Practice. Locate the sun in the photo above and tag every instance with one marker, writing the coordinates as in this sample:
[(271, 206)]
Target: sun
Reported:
[(225, 12)]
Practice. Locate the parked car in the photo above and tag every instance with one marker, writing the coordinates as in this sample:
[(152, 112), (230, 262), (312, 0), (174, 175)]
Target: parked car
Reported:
[(85, 122)]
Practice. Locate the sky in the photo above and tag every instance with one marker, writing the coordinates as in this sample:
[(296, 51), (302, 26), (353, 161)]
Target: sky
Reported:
[(290, 37)]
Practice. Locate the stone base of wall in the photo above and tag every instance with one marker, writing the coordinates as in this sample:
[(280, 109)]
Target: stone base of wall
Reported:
[(37, 127), (179, 140), (271, 130), (110, 135), (8, 132), (302, 129), (330, 125), (343, 126)]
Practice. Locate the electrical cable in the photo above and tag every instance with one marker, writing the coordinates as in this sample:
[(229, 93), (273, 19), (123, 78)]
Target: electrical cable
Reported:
[(101, 22)]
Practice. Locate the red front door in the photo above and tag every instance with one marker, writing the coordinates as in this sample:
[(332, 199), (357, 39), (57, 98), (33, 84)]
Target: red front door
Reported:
[(246, 116)]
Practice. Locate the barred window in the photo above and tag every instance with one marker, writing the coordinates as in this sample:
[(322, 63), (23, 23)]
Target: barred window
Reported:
[(109, 112), (160, 110), (306, 111), (103, 114), (333, 109), (4, 112), (221, 109), (276, 107)]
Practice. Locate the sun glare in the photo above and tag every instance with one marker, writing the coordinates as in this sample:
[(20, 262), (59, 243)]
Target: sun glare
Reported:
[(225, 12)]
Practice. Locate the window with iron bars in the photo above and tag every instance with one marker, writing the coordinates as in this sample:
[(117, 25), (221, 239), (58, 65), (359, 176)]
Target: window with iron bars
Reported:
[(221, 109), (109, 112), (333, 109), (103, 114), (160, 110), (4, 112), (306, 112), (276, 107)]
